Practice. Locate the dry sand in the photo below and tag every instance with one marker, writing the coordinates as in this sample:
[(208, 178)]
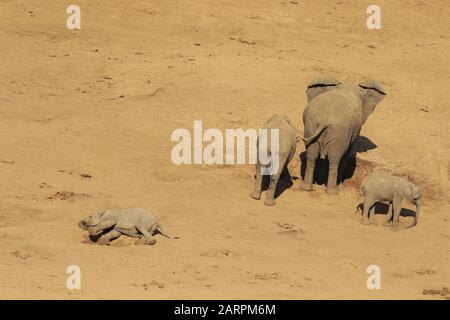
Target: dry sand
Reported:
[(104, 100)]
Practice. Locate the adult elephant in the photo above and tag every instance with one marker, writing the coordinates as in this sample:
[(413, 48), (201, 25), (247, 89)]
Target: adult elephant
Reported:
[(332, 120)]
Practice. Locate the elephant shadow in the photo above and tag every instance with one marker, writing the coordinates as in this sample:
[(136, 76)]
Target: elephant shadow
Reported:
[(362, 144), (283, 184), (382, 208)]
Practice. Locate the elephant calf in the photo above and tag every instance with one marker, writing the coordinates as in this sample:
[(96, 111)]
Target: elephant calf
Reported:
[(111, 224), (287, 144), (384, 187)]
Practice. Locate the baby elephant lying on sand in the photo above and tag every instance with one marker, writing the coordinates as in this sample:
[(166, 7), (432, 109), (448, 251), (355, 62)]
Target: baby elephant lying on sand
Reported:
[(111, 224), (384, 187)]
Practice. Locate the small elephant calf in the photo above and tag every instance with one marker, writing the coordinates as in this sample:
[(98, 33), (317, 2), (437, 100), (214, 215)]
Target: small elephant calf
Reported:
[(384, 187), (111, 224), (286, 148)]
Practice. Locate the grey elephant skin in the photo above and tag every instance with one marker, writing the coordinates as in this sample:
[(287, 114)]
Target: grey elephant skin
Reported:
[(111, 224), (287, 144), (333, 119), (384, 187)]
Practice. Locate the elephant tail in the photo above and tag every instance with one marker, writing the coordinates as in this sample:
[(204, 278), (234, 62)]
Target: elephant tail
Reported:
[(163, 233), (315, 135), (359, 208)]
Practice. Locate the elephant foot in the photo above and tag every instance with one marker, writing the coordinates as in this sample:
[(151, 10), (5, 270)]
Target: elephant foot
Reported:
[(395, 228), (365, 222), (387, 224), (269, 202), (255, 195), (332, 190), (103, 241), (306, 186), (140, 241)]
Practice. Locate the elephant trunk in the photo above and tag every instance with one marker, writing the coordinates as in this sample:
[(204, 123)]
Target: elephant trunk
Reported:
[(92, 231), (416, 217), (82, 225)]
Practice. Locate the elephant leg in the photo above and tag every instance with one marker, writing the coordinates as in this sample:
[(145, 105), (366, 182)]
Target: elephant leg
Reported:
[(106, 238), (286, 174), (368, 204), (388, 221), (256, 194), (270, 196), (397, 206), (312, 152), (147, 235), (332, 174), (130, 233), (274, 178), (103, 225), (344, 161)]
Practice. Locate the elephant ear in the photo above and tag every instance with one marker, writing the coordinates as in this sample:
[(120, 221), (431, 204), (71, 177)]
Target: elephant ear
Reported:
[(372, 94), (373, 85), (415, 192), (320, 85), (273, 117)]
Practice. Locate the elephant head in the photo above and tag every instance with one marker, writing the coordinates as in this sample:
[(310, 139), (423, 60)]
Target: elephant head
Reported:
[(90, 223), (320, 85), (277, 116), (284, 117), (412, 193), (416, 198), (371, 94)]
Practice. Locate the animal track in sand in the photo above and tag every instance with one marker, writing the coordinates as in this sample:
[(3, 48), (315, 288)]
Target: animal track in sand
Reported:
[(218, 253), (444, 292), (267, 276), (68, 195)]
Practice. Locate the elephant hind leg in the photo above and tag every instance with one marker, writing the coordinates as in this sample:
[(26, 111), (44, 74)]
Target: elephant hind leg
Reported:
[(397, 206), (333, 175), (368, 205), (342, 166), (256, 193), (147, 234), (274, 178), (312, 153), (270, 196)]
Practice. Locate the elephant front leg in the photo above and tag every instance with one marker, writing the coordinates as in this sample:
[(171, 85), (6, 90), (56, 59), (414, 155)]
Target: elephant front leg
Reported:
[(332, 175), (106, 238), (388, 221), (312, 152), (397, 206), (101, 226), (256, 194)]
